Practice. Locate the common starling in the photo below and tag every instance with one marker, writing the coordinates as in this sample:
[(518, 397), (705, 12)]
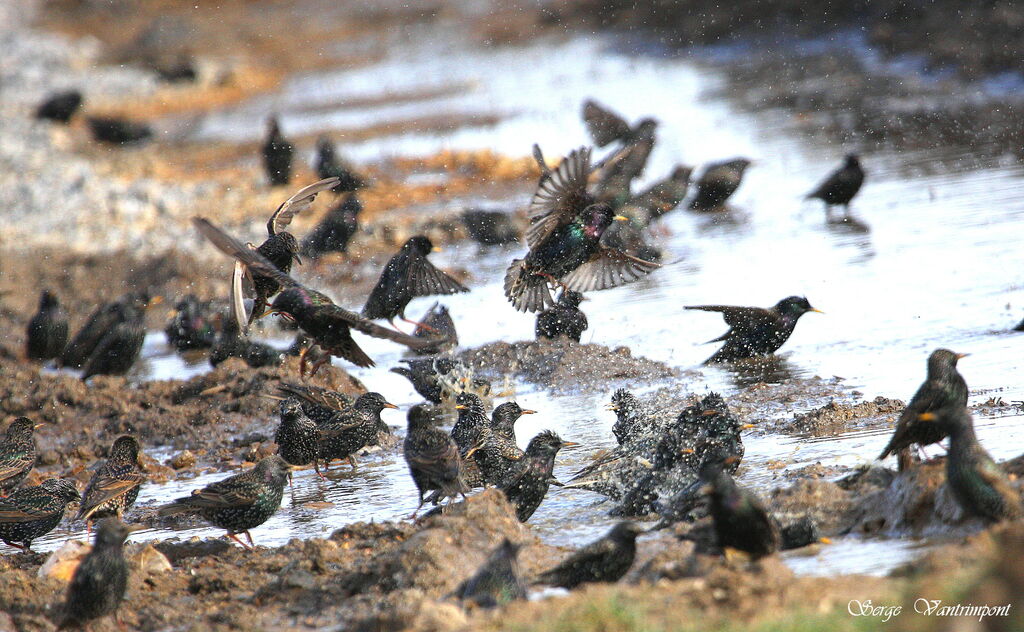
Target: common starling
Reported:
[(490, 228), (663, 196), (605, 560), (943, 388), (47, 333), (101, 579), (100, 323), (240, 502), (606, 127), (335, 230), (277, 154), (232, 343), (740, 519), (433, 459), (17, 453), (354, 429), (318, 403), (193, 324), (755, 331), (471, 421), (328, 165), (437, 324), (423, 373), (840, 187), (616, 174), (498, 581), (119, 347), (114, 486), (629, 416), (527, 487), (564, 237), (31, 512), (564, 319), (718, 182), (116, 131), (60, 107), (297, 437), (498, 452)]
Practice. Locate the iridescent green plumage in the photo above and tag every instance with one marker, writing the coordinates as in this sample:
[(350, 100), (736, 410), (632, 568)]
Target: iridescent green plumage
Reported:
[(17, 454), (31, 512)]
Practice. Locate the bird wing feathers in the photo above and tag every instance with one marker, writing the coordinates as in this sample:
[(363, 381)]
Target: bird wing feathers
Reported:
[(106, 486), (425, 280), (559, 197), (603, 125), (296, 204), (607, 268)]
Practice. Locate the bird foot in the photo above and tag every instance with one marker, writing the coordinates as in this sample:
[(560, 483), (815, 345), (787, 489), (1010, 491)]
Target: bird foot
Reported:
[(245, 546), (419, 325)]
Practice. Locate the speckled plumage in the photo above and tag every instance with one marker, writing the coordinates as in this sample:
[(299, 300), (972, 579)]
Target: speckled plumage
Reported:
[(31, 512), (17, 453), (605, 560), (564, 319), (354, 429), (114, 486), (755, 331), (529, 484), (498, 451), (99, 324), (406, 275), (297, 436), (320, 404), (433, 458)]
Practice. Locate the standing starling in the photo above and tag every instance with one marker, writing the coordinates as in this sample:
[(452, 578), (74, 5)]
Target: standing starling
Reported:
[(490, 228), (740, 519), (437, 324), (335, 230), (319, 404), (564, 240), (31, 512), (529, 484), (755, 331), (47, 333), (718, 182), (606, 127), (115, 485), (100, 323), (119, 347), (328, 165), (101, 579), (60, 107), (498, 581), (499, 453), (840, 187), (297, 438), (433, 459), (240, 502), (471, 422), (192, 324), (17, 453), (277, 154), (564, 319), (117, 131), (354, 429), (943, 388), (605, 560)]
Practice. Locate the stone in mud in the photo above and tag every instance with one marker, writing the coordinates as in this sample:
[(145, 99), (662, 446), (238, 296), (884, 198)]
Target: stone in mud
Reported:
[(176, 551), (148, 560), (62, 563), (835, 417), (183, 460)]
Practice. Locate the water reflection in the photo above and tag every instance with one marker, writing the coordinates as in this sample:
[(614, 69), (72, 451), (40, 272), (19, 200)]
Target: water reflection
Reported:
[(774, 369)]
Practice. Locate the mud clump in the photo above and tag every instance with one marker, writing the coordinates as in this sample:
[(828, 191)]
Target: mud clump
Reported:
[(835, 417)]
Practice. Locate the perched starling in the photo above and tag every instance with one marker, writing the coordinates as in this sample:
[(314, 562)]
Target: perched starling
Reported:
[(354, 429), (755, 331), (424, 373), (297, 438), (718, 182), (840, 187), (498, 453), (497, 582), (101, 579), (60, 107), (564, 240), (117, 131), (605, 560), (232, 343), (119, 347), (47, 333), (328, 165), (629, 416), (606, 127), (112, 490), (433, 459), (527, 487), (240, 502), (564, 319), (943, 388), (31, 512), (319, 404), (335, 230), (490, 228), (100, 323), (437, 324), (192, 324), (17, 453), (740, 519), (277, 154)]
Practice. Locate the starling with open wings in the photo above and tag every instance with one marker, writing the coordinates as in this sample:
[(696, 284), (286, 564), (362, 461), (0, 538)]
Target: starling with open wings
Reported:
[(718, 182), (755, 331), (606, 127)]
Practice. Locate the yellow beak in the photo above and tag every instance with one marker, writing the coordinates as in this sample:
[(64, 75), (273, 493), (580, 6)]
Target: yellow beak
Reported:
[(528, 412), (620, 218)]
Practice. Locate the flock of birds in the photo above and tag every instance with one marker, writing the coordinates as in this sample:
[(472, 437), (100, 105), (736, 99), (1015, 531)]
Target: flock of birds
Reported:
[(572, 247)]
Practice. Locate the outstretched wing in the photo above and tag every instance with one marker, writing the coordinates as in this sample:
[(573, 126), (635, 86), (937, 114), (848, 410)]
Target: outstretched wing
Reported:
[(742, 318), (560, 197), (608, 268), (603, 125), (237, 304), (296, 204), (426, 280)]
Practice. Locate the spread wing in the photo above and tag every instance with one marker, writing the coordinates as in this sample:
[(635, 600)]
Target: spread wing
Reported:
[(742, 318), (560, 197), (237, 304), (425, 280), (296, 204), (603, 125), (608, 268)]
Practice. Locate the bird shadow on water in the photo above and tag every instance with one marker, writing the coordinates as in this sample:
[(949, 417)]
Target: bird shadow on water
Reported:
[(850, 231), (767, 370)]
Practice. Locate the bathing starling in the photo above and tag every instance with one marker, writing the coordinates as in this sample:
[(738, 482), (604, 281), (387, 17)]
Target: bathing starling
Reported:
[(335, 230), (630, 416), (719, 181), (297, 437), (47, 333), (564, 319), (424, 374), (606, 127), (60, 107), (437, 324), (101, 322), (232, 343), (498, 581), (755, 331), (240, 502), (740, 519), (328, 165), (564, 237), (840, 187), (31, 512), (490, 228), (101, 579), (354, 429), (115, 484), (471, 421), (17, 453), (527, 487), (319, 404), (433, 459), (499, 454), (277, 154), (117, 131), (192, 325), (605, 560), (119, 347), (944, 387)]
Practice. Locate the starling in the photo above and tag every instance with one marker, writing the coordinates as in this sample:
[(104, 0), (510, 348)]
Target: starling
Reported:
[(471, 421), (232, 343), (719, 181), (297, 438), (424, 374), (606, 127), (564, 319), (943, 388), (31, 512), (840, 187), (117, 131), (433, 459), (490, 228), (605, 560), (277, 154), (498, 452), (407, 275), (192, 324), (564, 237), (629, 416), (335, 230), (497, 582), (101, 579), (660, 198), (527, 487), (319, 404), (119, 347), (740, 519), (354, 429), (47, 333), (755, 331), (115, 485), (100, 323), (240, 502), (60, 107), (616, 174), (328, 165), (979, 485), (437, 324), (17, 453)]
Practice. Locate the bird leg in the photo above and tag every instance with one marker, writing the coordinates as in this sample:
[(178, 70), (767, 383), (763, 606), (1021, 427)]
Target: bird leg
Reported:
[(319, 363), (237, 539), (316, 466), (551, 279), (419, 324), (352, 462), (302, 363), (413, 516), (248, 536), (23, 549)]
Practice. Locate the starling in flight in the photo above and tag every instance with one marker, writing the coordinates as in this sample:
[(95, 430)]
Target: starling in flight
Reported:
[(60, 107), (718, 182)]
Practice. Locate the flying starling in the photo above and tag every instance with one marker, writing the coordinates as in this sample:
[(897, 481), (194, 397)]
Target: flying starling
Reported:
[(740, 519), (499, 453), (353, 430), (335, 230), (433, 459), (100, 323), (527, 487), (606, 127), (277, 154), (328, 165), (17, 453), (32, 512), (564, 237), (564, 319), (437, 324), (114, 486), (117, 131), (663, 196), (47, 333), (193, 324), (718, 182), (240, 502), (840, 187), (490, 228), (755, 331), (101, 579), (616, 173), (60, 107), (605, 560), (943, 388), (407, 275), (497, 582), (119, 347), (297, 437), (319, 404)]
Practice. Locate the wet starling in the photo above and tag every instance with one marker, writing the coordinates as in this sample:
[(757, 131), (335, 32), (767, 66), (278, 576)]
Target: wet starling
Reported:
[(718, 182), (101, 579), (192, 325), (47, 333), (840, 187), (498, 453), (629, 416), (117, 131), (756, 331), (605, 560), (354, 429), (297, 437), (471, 421), (424, 374), (490, 228), (606, 127), (233, 344), (437, 324), (100, 323), (319, 404), (564, 240), (60, 107), (740, 519), (31, 512), (328, 165), (240, 502), (564, 319), (277, 155), (497, 582), (944, 387), (115, 485), (527, 487), (17, 453), (433, 459), (335, 230), (119, 347), (660, 198)]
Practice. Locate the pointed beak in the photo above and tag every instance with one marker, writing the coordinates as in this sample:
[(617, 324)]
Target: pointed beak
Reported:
[(747, 426), (611, 407), (390, 405), (267, 313), (38, 426), (298, 260), (816, 311), (686, 451), (461, 407), (960, 356), (529, 412), (569, 444), (927, 417), (436, 249), (620, 218)]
